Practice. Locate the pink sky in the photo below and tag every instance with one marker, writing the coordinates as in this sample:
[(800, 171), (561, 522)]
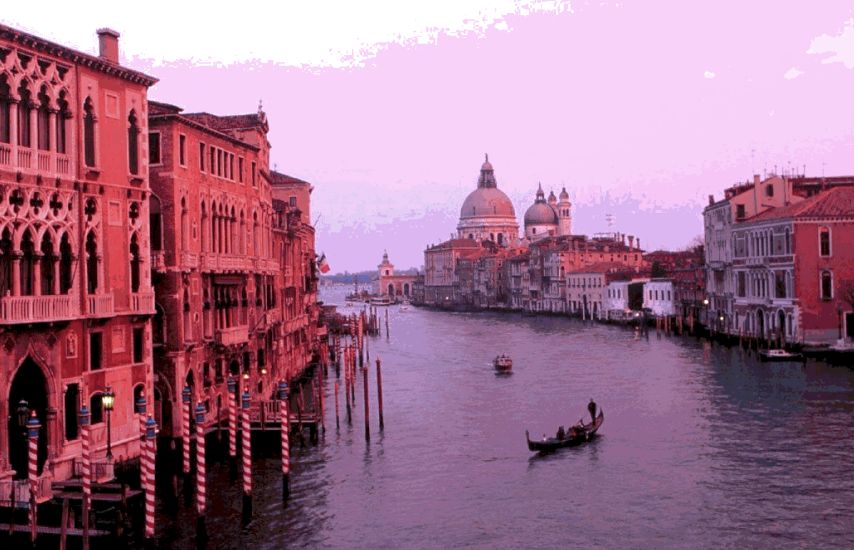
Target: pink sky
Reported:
[(641, 109)]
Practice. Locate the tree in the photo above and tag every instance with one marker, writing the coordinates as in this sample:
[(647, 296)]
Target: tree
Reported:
[(657, 270)]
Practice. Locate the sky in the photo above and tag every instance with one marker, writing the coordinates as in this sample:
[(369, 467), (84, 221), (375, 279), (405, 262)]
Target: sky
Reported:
[(640, 109)]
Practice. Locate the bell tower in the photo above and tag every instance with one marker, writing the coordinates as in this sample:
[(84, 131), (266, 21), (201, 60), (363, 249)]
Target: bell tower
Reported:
[(564, 213)]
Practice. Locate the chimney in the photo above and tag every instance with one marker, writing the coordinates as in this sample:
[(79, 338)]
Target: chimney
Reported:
[(756, 179), (108, 45), (631, 240), (637, 241), (711, 200)]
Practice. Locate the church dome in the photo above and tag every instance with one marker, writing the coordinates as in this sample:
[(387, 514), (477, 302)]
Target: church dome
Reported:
[(564, 196), (487, 202), (540, 213)]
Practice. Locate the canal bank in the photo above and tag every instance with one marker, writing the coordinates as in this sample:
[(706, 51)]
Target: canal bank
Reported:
[(702, 443)]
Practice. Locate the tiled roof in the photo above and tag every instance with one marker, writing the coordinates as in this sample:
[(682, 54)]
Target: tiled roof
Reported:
[(277, 178), (833, 203), (228, 122)]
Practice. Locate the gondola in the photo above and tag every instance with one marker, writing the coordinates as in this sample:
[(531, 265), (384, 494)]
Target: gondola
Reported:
[(503, 364), (574, 436)]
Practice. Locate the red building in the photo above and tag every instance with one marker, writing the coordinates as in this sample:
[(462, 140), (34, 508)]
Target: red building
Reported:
[(75, 291)]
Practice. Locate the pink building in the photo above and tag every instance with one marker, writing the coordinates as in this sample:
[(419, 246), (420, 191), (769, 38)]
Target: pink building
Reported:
[(75, 289)]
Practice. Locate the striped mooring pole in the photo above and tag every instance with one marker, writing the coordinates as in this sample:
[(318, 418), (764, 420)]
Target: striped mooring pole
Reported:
[(186, 396), (247, 461), (150, 453), (85, 418), (232, 427), (33, 426), (286, 448), (201, 493)]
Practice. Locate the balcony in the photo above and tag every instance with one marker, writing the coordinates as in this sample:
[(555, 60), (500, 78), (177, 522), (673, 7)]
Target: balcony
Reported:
[(17, 491), (232, 336), (32, 160), (142, 303), (189, 260), (158, 261), (222, 262), (38, 309), (100, 305)]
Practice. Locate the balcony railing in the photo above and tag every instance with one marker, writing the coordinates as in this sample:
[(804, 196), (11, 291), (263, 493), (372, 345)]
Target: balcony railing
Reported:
[(233, 335), (189, 260), (25, 158), (223, 262), (5, 155), (17, 491), (100, 305), (102, 470), (158, 261), (31, 160), (36, 309), (142, 303)]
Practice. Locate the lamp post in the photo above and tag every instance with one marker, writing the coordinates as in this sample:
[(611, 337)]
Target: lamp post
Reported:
[(839, 319), (23, 415), (107, 401)]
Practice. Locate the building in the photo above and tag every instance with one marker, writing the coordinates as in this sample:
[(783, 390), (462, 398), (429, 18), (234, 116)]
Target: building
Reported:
[(658, 298), (391, 284), (794, 272), (487, 213), (76, 299), (440, 277), (587, 289), (548, 219)]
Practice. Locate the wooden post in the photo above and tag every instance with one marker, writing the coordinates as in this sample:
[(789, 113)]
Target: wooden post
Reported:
[(337, 421), (150, 455), (232, 428), (321, 401), (201, 478), (247, 461), (33, 426), (380, 394), (85, 418), (63, 524), (386, 324), (367, 415), (284, 418)]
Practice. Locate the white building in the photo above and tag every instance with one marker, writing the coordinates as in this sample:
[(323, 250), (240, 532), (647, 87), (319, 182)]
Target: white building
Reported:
[(658, 297)]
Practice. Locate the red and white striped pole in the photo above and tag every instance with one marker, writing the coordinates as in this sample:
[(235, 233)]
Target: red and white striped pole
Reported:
[(140, 410), (201, 477), (150, 453), (186, 397), (85, 418), (247, 461), (33, 426), (284, 417), (232, 427)]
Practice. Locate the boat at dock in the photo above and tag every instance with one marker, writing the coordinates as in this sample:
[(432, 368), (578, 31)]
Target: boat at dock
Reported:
[(779, 355), (503, 364), (381, 301), (575, 435)]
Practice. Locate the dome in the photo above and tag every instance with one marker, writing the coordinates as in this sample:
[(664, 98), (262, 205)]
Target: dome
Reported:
[(564, 196), (540, 213), (487, 202)]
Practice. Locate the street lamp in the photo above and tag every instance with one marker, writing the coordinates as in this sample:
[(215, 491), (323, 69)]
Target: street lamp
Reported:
[(107, 400), (23, 414), (839, 317)]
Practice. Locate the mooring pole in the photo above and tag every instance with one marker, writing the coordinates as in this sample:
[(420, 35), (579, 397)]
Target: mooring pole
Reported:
[(337, 421), (186, 396), (367, 415), (33, 426), (284, 418), (201, 477), (150, 457), (247, 461), (232, 428), (380, 393), (87, 472)]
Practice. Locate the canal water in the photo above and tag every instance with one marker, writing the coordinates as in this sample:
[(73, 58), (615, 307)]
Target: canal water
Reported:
[(703, 446)]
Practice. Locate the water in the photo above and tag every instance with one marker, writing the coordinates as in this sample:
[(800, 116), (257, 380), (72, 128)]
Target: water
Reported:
[(702, 446)]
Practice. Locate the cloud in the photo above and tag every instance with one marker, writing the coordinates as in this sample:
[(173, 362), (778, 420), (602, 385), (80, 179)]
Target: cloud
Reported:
[(709, 74), (793, 73), (836, 49)]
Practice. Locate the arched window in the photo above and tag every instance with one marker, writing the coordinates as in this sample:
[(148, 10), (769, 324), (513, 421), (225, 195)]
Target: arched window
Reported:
[(65, 265), (155, 222), (43, 120), (25, 105), (6, 264), (824, 241), (27, 264), (96, 409), (61, 124), (214, 236), (788, 241), (188, 325), (135, 262), (91, 263), (48, 264), (133, 143), (89, 132), (5, 110), (826, 285), (204, 235), (500, 238)]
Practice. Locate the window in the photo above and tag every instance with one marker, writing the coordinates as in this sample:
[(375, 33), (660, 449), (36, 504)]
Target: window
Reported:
[(95, 350), (91, 264), (182, 150), (5, 103), (96, 409), (779, 284), (138, 344), (212, 164), (824, 241), (62, 124), (24, 108), (43, 121), (89, 132), (154, 148), (72, 404), (202, 157), (826, 285), (135, 264), (769, 190), (133, 143), (739, 212), (253, 174), (740, 284), (240, 169), (292, 202)]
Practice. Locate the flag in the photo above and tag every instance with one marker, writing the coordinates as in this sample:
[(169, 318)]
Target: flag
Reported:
[(322, 264)]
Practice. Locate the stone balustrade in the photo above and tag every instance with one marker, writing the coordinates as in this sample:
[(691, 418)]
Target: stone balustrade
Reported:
[(37, 309), (142, 303), (100, 305), (232, 335), (27, 160)]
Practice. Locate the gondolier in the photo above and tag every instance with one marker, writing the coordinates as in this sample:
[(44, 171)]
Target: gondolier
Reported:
[(592, 408)]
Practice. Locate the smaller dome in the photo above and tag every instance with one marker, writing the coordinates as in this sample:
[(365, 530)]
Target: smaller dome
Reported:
[(540, 213), (552, 198), (564, 196)]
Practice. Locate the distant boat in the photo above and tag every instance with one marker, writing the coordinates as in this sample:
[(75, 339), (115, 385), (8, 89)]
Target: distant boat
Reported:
[(576, 435), (381, 301), (503, 363), (779, 355)]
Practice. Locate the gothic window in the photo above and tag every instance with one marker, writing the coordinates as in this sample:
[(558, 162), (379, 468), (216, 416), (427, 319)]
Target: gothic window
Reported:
[(5, 110), (185, 228), (133, 143), (188, 325), (43, 121), (214, 236), (24, 107), (62, 125), (72, 404), (201, 157), (155, 221), (826, 285), (65, 265), (27, 264), (89, 132), (6, 264), (48, 262), (788, 238), (96, 409), (91, 263), (135, 262), (154, 148)]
